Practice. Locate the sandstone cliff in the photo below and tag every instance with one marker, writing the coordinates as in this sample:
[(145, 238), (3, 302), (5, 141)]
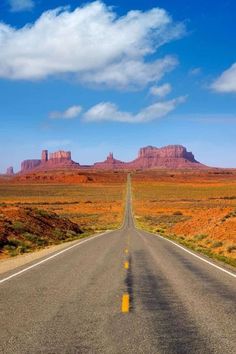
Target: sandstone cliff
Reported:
[(110, 163), (171, 157), (28, 165), (60, 156)]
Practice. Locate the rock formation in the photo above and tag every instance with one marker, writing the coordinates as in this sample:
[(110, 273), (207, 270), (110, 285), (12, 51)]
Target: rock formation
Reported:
[(110, 163), (10, 171), (170, 151), (60, 156), (57, 159), (29, 165), (171, 157), (44, 156)]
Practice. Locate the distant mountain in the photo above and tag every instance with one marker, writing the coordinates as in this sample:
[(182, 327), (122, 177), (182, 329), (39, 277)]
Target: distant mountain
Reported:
[(150, 157)]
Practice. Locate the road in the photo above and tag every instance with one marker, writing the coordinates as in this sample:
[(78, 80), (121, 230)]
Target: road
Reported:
[(172, 301)]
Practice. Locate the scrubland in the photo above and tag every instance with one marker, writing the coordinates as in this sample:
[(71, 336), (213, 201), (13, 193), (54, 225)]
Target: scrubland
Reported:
[(195, 208), (95, 204)]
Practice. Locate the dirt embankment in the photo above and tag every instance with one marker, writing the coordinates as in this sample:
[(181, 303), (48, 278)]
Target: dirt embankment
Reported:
[(26, 229)]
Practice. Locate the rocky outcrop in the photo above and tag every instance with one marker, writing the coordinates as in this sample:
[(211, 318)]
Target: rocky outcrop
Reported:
[(10, 171), (44, 156), (170, 151), (110, 163), (57, 159), (29, 165), (171, 157), (60, 156)]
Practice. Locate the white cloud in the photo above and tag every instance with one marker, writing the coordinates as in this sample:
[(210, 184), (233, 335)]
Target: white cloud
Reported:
[(227, 81), (90, 43), (21, 5), (132, 73), (195, 71), (70, 113), (161, 91), (107, 111)]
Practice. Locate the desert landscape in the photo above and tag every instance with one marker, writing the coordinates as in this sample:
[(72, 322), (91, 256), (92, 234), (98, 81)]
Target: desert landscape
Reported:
[(117, 177), (50, 207), (194, 206)]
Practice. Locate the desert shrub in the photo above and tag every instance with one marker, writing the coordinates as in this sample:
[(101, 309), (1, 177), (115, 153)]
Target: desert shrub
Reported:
[(200, 237), (42, 212), (18, 226), (178, 213), (13, 243), (231, 248), (160, 230), (59, 234), (217, 244), (24, 247), (229, 215), (30, 237)]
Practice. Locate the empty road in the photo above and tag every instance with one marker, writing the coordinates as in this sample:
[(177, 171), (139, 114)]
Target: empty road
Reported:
[(122, 292)]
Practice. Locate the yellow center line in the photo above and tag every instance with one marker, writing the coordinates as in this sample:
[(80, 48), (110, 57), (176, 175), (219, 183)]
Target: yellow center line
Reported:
[(126, 265), (125, 303)]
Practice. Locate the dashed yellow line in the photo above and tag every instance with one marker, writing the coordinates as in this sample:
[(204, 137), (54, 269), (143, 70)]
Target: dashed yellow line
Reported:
[(125, 303), (126, 265)]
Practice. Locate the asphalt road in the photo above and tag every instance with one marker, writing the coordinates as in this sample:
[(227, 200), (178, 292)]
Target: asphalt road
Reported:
[(173, 302)]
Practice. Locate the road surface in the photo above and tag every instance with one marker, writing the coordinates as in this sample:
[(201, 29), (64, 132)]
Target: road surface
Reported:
[(122, 292)]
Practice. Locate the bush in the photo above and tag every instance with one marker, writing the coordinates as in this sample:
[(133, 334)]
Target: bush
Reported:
[(200, 237), (178, 213), (42, 212), (18, 226), (59, 234), (231, 248), (30, 237), (217, 244)]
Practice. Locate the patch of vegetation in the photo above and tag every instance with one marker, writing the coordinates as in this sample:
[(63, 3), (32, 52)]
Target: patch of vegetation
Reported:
[(200, 237), (18, 226), (43, 213), (178, 213), (232, 214), (231, 248), (217, 244)]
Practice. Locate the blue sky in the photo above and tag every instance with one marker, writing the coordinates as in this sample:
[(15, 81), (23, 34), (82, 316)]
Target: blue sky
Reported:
[(94, 77)]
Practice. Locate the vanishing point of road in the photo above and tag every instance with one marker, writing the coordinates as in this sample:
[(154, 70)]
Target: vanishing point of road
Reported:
[(125, 291)]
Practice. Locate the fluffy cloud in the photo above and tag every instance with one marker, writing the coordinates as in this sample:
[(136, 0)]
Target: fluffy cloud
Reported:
[(160, 91), (227, 81), (21, 5), (132, 73), (70, 113), (91, 43), (107, 111)]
